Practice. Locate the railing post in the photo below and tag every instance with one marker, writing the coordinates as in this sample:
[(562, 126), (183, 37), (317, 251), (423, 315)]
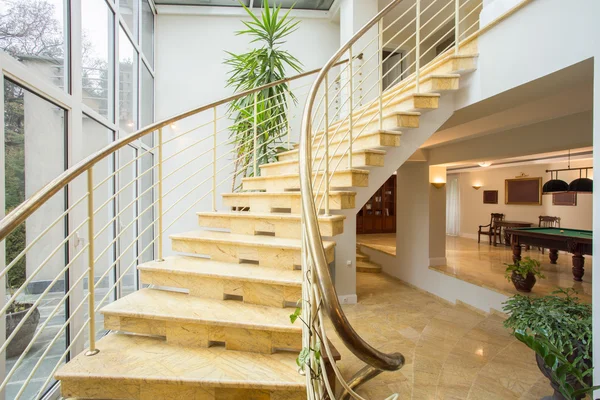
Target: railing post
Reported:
[(380, 33), (214, 178), (456, 23), (350, 105), (91, 285), (160, 195), (255, 165), (418, 48), (326, 172), (289, 123)]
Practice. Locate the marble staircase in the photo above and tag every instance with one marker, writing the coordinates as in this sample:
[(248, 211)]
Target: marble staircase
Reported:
[(214, 322)]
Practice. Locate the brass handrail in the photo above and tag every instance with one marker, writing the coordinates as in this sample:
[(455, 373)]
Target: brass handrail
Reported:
[(352, 340), (20, 213)]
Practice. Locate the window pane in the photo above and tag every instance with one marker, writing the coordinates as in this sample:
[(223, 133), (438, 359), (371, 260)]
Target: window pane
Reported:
[(97, 45), (127, 227), (128, 9), (34, 33), (128, 84), (34, 155), (148, 32), (147, 101)]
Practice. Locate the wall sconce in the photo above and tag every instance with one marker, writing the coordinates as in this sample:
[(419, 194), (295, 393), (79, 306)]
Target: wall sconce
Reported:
[(437, 176), (477, 186)]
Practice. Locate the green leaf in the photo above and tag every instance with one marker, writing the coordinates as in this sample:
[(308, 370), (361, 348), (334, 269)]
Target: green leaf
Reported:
[(294, 316), (303, 357)]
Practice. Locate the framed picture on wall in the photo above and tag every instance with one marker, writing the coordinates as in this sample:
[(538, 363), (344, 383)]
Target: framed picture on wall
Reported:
[(564, 199), (490, 197), (523, 191)]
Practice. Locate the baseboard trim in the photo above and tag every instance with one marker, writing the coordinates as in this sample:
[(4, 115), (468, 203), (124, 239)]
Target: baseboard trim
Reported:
[(438, 261), (348, 299)]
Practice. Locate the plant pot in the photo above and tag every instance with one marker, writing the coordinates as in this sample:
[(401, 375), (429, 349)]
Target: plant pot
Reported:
[(571, 380), (523, 284), (24, 335)]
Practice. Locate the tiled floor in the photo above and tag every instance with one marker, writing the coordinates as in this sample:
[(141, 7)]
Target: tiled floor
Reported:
[(451, 351), (483, 265)]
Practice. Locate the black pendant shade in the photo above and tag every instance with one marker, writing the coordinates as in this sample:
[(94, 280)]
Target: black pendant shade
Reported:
[(555, 185), (581, 185)]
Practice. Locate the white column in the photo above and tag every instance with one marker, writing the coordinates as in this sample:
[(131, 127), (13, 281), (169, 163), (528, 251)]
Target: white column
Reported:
[(596, 227)]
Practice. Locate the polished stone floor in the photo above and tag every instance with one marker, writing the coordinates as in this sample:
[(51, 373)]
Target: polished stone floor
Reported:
[(384, 242), (451, 351), (483, 265)]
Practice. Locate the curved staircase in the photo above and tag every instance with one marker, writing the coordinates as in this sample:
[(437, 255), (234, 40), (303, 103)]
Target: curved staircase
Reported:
[(214, 323)]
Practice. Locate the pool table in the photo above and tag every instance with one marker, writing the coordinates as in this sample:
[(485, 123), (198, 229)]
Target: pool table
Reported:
[(575, 241)]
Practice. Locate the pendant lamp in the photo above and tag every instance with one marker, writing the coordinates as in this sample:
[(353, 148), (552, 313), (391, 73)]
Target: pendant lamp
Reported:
[(555, 185), (584, 185)]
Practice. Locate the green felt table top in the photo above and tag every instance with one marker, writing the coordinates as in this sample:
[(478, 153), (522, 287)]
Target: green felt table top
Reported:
[(580, 233)]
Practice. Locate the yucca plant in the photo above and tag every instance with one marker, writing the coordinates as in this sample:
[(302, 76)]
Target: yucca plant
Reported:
[(263, 65)]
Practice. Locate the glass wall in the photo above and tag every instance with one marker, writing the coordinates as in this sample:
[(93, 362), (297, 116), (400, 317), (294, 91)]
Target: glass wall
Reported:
[(77, 75)]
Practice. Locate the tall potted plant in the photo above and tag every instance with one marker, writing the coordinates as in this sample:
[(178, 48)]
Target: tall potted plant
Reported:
[(267, 109), (559, 329)]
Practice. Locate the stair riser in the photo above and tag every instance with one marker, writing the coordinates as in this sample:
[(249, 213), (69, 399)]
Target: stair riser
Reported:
[(281, 228), (341, 179), (265, 294), (268, 204), (238, 252), (358, 160), (89, 388), (202, 335), (368, 270)]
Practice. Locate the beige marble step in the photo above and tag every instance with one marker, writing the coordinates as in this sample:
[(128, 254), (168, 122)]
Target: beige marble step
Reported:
[(206, 278), (283, 225), (367, 139), (289, 161), (268, 251), (144, 368), (456, 64), (342, 178), (399, 120), (271, 201), (367, 266), (362, 257), (198, 322)]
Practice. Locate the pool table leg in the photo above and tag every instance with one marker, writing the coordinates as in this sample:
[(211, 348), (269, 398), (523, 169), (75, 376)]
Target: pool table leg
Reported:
[(516, 248), (553, 256), (578, 271)]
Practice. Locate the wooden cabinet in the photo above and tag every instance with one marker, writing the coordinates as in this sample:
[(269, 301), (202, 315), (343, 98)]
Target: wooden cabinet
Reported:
[(378, 215)]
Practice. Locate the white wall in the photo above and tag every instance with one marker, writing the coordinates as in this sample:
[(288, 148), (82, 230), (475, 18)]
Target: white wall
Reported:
[(191, 50), (474, 213), (190, 73)]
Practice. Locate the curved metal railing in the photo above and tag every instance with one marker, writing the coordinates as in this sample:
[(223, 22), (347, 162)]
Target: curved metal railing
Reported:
[(416, 36), (85, 231)]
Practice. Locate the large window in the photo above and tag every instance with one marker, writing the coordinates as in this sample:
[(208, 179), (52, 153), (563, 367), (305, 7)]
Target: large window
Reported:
[(70, 89)]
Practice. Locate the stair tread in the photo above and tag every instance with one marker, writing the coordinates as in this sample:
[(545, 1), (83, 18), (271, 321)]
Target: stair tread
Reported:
[(253, 240), (341, 171), (295, 193), (368, 264), (176, 306), (280, 216), (359, 151), (188, 265), (142, 360)]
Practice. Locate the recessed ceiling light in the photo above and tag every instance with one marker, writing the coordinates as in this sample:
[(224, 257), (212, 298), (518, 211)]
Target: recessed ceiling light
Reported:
[(485, 164)]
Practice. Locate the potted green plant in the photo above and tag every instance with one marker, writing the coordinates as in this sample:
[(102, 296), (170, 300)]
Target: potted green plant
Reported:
[(263, 113), (523, 273), (14, 315), (559, 329)]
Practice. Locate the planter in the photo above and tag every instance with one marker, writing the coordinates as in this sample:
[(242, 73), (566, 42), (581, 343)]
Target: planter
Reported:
[(523, 284), (546, 371), (24, 335)]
